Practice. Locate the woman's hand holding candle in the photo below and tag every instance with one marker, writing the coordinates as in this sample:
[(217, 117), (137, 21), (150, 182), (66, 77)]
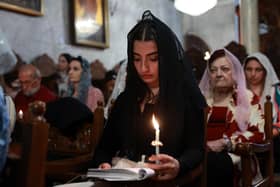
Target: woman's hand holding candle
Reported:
[(167, 169)]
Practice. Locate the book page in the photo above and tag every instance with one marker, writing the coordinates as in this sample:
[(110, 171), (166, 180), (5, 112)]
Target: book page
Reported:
[(77, 184), (121, 174)]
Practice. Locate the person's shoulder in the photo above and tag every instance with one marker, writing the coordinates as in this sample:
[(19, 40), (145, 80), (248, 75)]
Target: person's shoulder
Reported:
[(18, 96), (93, 89), (122, 96), (47, 92), (95, 93), (45, 89), (121, 99)]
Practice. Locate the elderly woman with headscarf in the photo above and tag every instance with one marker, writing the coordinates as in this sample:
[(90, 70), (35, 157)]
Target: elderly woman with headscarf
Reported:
[(80, 85), (262, 80), (235, 115), (159, 81)]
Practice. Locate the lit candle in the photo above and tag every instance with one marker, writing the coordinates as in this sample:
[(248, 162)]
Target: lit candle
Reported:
[(20, 114), (157, 141)]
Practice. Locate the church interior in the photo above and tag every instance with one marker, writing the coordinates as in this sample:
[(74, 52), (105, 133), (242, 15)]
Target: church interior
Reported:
[(52, 141)]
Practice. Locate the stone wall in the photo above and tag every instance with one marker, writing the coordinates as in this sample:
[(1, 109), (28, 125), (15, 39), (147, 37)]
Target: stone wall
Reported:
[(216, 27), (32, 36)]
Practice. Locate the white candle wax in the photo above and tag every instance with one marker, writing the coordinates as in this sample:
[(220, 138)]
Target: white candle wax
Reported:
[(157, 141)]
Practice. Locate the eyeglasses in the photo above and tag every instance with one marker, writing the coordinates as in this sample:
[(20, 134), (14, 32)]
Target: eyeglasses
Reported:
[(26, 83)]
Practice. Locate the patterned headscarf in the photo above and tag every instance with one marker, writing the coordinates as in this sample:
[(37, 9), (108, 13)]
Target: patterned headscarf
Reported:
[(118, 88), (7, 57)]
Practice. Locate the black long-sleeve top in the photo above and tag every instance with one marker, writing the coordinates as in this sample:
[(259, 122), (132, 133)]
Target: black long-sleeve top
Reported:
[(129, 133)]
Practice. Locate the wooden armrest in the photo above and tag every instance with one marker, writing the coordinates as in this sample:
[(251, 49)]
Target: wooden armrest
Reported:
[(251, 148), (15, 151)]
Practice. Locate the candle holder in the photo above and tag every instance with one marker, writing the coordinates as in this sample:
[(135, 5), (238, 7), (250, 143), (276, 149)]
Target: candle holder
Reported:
[(156, 144)]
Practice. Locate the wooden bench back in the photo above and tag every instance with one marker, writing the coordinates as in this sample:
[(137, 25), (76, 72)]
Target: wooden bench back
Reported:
[(34, 148)]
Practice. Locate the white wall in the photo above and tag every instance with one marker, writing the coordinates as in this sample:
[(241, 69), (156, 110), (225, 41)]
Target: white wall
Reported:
[(216, 27), (33, 36)]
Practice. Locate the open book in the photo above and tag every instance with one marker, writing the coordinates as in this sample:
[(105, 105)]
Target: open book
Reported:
[(121, 174), (77, 184)]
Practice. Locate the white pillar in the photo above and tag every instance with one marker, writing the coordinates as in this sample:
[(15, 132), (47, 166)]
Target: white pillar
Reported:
[(249, 25)]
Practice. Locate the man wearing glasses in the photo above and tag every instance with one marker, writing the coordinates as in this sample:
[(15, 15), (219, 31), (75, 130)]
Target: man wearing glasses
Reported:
[(31, 89)]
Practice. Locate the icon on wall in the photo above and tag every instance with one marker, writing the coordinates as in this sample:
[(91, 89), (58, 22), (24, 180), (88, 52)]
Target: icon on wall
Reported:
[(29, 7), (91, 23)]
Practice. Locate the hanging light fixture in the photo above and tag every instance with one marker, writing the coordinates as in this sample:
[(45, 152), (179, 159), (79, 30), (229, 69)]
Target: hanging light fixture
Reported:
[(194, 7)]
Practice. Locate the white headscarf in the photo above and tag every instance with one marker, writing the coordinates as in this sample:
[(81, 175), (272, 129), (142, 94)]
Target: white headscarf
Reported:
[(7, 62), (271, 77), (7, 57), (243, 102), (118, 88)]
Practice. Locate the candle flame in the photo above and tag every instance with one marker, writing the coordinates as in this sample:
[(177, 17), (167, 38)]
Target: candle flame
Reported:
[(155, 123), (20, 114)]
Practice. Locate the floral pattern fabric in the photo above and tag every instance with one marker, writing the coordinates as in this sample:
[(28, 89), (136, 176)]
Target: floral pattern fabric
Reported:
[(255, 124)]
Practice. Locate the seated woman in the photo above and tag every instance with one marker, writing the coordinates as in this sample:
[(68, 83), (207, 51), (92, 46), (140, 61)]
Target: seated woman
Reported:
[(262, 81), (80, 85), (64, 60), (235, 115), (159, 81)]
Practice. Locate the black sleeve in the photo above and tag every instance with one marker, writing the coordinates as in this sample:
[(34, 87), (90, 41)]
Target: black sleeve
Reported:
[(109, 142), (193, 139)]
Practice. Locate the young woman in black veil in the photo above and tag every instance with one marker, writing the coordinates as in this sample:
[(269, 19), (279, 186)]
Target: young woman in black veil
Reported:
[(159, 81)]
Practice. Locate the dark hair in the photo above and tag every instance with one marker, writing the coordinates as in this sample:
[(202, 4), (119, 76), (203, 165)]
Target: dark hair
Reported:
[(85, 80), (254, 58), (110, 75), (143, 31), (176, 80), (217, 54), (67, 56), (84, 63), (237, 50), (250, 58), (198, 62)]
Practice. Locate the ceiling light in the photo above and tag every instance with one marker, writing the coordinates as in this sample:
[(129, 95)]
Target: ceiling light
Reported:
[(194, 7)]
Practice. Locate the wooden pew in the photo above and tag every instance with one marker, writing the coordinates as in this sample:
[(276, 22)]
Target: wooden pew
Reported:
[(264, 152), (27, 157), (77, 159)]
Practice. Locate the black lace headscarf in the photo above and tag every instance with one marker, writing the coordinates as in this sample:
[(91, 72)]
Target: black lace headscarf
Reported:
[(177, 82)]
